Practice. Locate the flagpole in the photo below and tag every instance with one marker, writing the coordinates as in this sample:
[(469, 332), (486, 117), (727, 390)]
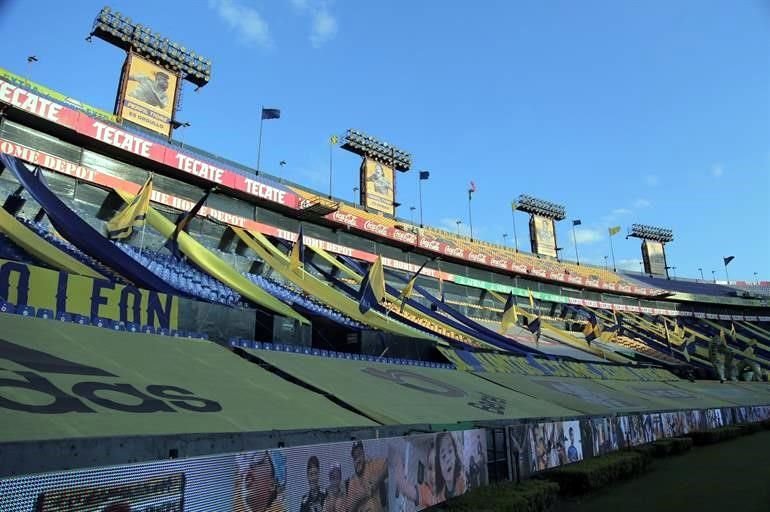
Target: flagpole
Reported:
[(419, 186), (612, 251), (727, 277), (259, 146), (470, 213), (144, 226), (331, 146), (513, 220), (574, 241)]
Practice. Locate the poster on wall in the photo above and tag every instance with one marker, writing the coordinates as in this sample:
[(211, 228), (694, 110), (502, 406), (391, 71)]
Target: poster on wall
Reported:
[(543, 236), (377, 186), (539, 446), (148, 95)]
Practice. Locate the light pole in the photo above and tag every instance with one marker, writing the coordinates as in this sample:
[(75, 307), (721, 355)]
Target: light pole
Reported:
[(505, 237), (513, 221), (701, 274), (411, 214), (605, 262), (756, 277), (641, 267), (355, 195), (714, 275), (458, 222)]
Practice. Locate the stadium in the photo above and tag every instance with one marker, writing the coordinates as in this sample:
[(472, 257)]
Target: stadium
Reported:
[(179, 331)]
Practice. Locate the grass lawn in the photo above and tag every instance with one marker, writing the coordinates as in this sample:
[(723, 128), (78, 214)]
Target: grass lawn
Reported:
[(733, 476)]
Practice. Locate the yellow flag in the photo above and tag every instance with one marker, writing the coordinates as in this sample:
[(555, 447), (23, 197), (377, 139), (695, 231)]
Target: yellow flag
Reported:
[(333, 140), (732, 329), (531, 299), (510, 315), (296, 258), (131, 215), (614, 230)]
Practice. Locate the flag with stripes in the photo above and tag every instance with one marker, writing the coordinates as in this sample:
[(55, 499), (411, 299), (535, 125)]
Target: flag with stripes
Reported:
[(132, 215)]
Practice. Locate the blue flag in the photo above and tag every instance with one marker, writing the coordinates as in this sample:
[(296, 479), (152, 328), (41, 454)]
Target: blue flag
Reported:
[(424, 175), (271, 113)]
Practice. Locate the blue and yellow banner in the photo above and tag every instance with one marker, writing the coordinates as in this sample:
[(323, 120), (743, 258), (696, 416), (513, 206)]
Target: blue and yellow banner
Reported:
[(61, 292)]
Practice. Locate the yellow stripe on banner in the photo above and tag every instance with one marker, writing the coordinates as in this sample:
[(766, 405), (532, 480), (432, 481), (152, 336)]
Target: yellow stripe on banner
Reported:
[(437, 324), (218, 268), (41, 249), (312, 285)]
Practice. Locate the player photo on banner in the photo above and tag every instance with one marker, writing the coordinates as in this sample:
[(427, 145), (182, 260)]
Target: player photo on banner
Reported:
[(648, 428), (573, 441), (378, 186), (606, 435), (260, 482), (149, 95)]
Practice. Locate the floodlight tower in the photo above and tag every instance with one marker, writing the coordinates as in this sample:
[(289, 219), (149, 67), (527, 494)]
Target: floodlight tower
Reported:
[(150, 84), (654, 240), (379, 160), (542, 218)]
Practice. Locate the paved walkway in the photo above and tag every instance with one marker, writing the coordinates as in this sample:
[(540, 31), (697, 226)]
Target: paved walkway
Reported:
[(733, 476)]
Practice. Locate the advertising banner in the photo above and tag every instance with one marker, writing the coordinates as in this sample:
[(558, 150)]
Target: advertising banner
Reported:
[(378, 475), (61, 292), (377, 186), (539, 446), (543, 236), (148, 95)]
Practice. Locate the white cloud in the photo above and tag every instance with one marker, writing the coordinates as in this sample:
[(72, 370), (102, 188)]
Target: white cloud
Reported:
[(717, 171), (450, 225), (642, 203), (245, 21), (633, 265), (621, 211), (324, 28), (652, 180), (588, 236)]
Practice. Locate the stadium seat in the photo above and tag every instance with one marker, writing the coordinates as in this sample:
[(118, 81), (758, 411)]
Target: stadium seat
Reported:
[(25, 311), (44, 313), (64, 317), (132, 327), (7, 307), (81, 319), (162, 331), (148, 329)]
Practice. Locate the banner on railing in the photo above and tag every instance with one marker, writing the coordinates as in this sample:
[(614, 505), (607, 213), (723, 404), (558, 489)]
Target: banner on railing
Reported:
[(394, 474)]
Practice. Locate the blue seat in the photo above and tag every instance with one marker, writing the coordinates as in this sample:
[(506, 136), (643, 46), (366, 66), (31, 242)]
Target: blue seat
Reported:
[(118, 326), (7, 307), (64, 317), (81, 320), (101, 322), (44, 313), (148, 329), (25, 311), (132, 327), (162, 331)]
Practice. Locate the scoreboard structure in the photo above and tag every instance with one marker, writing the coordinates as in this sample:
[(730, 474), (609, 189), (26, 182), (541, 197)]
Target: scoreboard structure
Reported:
[(654, 240), (543, 216)]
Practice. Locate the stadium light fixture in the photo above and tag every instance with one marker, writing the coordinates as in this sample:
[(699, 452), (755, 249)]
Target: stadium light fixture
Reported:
[(654, 233), (119, 30), (541, 207), (364, 145)]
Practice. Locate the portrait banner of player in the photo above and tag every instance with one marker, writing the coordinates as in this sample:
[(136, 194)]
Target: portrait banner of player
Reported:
[(378, 186), (521, 451), (260, 482), (149, 95), (573, 441), (587, 438), (545, 237), (475, 458)]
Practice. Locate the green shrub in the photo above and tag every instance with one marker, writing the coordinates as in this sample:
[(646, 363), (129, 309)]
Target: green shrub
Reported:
[(528, 496), (749, 428), (597, 472), (716, 435)]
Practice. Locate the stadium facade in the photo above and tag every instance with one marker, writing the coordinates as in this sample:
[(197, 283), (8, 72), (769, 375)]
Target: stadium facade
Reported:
[(181, 332)]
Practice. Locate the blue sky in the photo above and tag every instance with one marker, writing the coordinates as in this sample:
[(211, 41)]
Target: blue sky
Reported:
[(653, 112)]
